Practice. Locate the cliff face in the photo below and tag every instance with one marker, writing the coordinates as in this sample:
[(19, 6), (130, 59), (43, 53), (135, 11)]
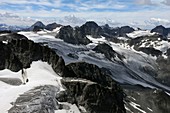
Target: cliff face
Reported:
[(73, 36), (86, 84), (8, 59), (18, 54), (28, 51), (94, 97), (89, 86)]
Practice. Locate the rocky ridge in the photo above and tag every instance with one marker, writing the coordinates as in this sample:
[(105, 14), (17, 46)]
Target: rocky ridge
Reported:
[(20, 53)]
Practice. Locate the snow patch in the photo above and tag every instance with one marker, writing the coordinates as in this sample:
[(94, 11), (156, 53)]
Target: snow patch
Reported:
[(73, 108), (149, 109), (96, 40), (39, 74), (139, 33), (136, 107)]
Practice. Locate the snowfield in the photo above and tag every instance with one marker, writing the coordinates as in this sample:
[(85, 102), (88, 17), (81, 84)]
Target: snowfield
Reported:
[(39, 74), (139, 33), (128, 73)]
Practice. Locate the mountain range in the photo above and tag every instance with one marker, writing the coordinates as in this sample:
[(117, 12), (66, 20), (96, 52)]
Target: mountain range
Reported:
[(85, 69)]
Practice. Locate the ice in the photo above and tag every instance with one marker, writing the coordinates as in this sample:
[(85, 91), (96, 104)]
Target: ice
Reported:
[(139, 33), (136, 106), (40, 73), (125, 71), (161, 45), (73, 108), (96, 40)]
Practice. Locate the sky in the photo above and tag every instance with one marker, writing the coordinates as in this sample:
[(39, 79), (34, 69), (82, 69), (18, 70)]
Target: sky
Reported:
[(141, 13)]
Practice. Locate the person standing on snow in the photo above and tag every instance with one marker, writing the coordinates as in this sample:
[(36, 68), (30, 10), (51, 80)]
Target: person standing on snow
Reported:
[(24, 76)]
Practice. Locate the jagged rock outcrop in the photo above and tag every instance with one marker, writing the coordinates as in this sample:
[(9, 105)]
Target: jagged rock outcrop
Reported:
[(37, 26), (28, 51), (91, 87), (5, 31), (38, 100), (168, 52), (107, 51), (163, 70), (8, 59), (124, 30), (161, 30), (98, 93), (150, 51), (91, 28), (110, 32), (146, 44), (52, 26), (94, 97), (19, 53), (88, 71), (11, 36), (73, 36), (147, 100)]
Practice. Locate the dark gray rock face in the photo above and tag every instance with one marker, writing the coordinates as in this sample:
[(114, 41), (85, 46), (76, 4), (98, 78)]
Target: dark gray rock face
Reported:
[(73, 36), (8, 59), (77, 35), (28, 51), (88, 71), (11, 36), (151, 51), (94, 97), (38, 100), (52, 26), (163, 70), (91, 28), (148, 100), (161, 30), (37, 26), (168, 52), (125, 29), (18, 54), (89, 86), (98, 93), (107, 51), (110, 32)]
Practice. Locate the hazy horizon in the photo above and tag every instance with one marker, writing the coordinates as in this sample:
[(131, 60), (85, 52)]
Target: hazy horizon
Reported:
[(137, 13)]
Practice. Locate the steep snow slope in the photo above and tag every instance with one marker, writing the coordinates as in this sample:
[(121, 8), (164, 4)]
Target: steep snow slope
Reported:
[(128, 70), (139, 33), (39, 74)]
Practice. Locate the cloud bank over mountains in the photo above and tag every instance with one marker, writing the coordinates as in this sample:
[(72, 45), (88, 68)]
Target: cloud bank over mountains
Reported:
[(75, 12)]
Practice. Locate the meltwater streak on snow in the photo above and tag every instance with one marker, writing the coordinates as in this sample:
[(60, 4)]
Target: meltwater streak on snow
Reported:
[(136, 106), (129, 73), (40, 73)]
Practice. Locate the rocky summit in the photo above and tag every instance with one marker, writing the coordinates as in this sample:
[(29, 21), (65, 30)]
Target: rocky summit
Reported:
[(85, 69)]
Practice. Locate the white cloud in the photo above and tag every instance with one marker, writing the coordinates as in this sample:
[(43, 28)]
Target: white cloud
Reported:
[(55, 3), (143, 2), (166, 2), (143, 19), (13, 19), (72, 20), (158, 21)]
